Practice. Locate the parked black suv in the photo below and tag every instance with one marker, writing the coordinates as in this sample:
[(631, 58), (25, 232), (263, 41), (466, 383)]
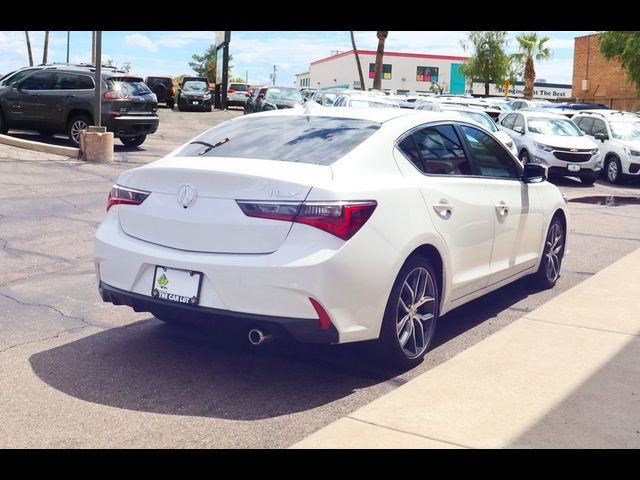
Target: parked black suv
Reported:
[(195, 93), (163, 88), (59, 99)]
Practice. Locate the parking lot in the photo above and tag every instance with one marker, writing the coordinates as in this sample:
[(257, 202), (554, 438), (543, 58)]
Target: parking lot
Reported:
[(81, 373)]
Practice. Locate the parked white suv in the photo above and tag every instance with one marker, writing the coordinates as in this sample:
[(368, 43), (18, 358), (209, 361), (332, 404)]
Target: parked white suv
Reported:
[(618, 136), (555, 142)]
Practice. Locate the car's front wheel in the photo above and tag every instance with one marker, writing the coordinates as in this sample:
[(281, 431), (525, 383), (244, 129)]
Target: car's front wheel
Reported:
[(524, 156), (170, 104), (613, 169), (76, 125), (549, 270), (133, 141), (410, 317)]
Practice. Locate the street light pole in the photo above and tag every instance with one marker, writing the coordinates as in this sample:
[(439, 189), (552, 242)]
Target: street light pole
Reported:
[(68, 37), (98, 96)]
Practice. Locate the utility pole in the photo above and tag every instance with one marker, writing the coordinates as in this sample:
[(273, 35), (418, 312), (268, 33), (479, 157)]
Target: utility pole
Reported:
[(68, 38), (93, 47), (246, 77), (275, 69), (97, 118)]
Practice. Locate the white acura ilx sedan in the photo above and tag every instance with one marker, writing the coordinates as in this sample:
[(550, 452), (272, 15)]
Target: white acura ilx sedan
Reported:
[(330, 225)]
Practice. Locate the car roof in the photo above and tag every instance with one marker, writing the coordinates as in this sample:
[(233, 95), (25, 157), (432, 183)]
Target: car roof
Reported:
[(606, 113), (539, 113)]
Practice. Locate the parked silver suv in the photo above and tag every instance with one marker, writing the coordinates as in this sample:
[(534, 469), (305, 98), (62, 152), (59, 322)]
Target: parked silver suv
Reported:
[(555, 142)]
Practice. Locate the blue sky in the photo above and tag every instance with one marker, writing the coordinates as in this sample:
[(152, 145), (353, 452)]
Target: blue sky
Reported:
[(254, 52)]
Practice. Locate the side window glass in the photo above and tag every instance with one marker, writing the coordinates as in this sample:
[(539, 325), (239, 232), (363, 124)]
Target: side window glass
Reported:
[(598, 126), (519, 121), (65, 81), (508, 121), (492, 159), (586, 125), (85, 82), (441, 151), (38, 81), (410, 149)]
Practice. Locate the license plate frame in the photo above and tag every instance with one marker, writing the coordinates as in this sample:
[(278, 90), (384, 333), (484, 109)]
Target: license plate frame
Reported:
[(573, 167), (185, 283)]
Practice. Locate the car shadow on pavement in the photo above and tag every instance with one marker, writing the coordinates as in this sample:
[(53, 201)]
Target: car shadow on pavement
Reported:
[(62, 141), (180, 370)]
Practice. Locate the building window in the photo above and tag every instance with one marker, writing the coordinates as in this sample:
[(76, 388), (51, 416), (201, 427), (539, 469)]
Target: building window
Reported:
[(427, 74), (386, 71)]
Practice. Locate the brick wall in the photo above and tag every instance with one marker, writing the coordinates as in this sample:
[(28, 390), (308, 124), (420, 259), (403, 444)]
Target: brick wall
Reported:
[(607, 81)]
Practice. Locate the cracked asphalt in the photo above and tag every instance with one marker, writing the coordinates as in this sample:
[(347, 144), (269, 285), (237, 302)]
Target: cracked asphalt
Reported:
[(76, 372)]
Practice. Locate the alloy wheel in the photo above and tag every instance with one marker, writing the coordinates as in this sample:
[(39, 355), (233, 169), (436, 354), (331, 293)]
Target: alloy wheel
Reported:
[(612, 171), (76, 128), (553, 252), (415, 313)]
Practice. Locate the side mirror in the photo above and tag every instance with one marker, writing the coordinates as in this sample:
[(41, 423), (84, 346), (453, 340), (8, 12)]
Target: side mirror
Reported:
[(602, 136), (534, 173), (519, 129)]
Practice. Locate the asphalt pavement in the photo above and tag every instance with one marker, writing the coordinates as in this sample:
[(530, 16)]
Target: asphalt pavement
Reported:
[(76, 372)]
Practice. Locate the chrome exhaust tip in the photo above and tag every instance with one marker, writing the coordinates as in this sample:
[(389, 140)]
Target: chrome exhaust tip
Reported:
[(258, 337)]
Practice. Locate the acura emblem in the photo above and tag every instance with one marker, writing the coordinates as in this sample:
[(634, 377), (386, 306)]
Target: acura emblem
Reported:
[(186, 195)]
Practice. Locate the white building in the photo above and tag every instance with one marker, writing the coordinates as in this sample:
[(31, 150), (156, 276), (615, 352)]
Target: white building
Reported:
[(401, 72), (303, 80)]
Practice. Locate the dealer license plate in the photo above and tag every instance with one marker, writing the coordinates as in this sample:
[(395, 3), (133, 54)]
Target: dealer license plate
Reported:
[(195, 102), (179, 286), (573, 167)]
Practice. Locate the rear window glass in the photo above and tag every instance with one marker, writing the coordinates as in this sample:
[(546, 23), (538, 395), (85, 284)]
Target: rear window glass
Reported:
[(129, 85), (164, 81), (240, 87), (295, 138)]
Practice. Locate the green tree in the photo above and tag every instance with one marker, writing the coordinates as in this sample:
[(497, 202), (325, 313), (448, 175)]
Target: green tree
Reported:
[(531, 46), (205, 65), (624, 47), (377, 69), (488, 61), (236, 80)]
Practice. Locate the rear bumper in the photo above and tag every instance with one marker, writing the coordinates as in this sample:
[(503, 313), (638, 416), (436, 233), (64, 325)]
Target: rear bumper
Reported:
[(132, 125), (301, 329)]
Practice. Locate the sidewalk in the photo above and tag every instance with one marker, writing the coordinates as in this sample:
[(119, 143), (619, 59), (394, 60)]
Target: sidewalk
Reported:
[(566, 375)]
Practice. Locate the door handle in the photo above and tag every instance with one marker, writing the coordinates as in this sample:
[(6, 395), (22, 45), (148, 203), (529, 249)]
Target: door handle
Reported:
[(443, 209), (502, 209)]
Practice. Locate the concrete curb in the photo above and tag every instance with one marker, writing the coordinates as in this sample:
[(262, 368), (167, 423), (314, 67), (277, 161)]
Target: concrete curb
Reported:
[(40, 147)]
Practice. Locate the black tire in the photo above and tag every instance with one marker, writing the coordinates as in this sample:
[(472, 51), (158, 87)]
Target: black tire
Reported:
[(75, 126), (393, 353), (208, 108), (524, 156), (170, 104), (547, 275), (133, 141), (613, 170), (160, 90), (180, 109), (3, 124), (589, 179)]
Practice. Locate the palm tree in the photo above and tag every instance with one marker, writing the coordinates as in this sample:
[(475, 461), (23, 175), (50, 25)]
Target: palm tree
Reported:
[(355, 51), (29, 49), (377, 69), (531, 46), (45, 52)]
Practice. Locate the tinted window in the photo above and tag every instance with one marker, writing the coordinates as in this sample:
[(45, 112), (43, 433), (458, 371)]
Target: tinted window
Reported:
[(577, 121), (409, 147), (163, 80), (295, 138), (38, 81), (586, 125), (239, 87), (492, 159), (128, 85), (85, 82), (598, 126), (65, 81), (508, 121), (441, 151), (10, 80)]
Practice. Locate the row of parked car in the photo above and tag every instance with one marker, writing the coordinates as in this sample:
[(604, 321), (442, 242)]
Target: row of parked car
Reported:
[(574, 139)]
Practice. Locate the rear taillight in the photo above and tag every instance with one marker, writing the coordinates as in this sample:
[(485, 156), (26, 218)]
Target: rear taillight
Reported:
[(120, 195), (111, 95), (342, 219), (231, 90)]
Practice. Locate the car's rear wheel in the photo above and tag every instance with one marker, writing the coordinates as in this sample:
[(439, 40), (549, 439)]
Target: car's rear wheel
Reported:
[(613, 170), (170, 104), (410, 317), (3, 124), (133, 141), (77, 124), (549, 270)]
